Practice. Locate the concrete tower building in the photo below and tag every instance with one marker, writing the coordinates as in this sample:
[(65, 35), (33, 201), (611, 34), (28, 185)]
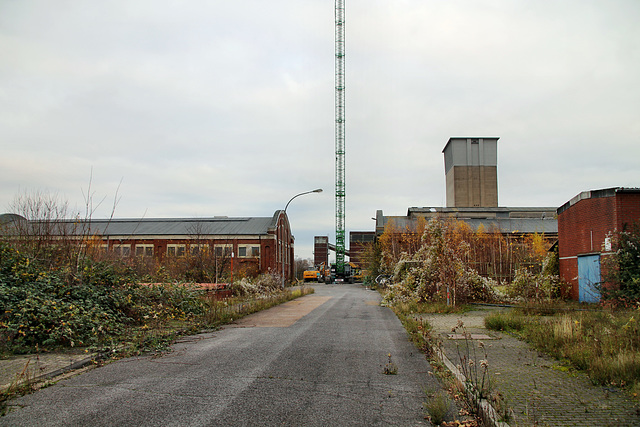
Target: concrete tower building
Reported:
[(471, 172)]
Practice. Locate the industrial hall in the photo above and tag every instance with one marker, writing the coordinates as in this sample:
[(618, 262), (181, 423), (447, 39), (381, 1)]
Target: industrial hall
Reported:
[(252, 245)]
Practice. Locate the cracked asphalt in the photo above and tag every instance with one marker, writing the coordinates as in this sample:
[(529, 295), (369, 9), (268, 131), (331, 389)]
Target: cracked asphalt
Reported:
[(315, 361)]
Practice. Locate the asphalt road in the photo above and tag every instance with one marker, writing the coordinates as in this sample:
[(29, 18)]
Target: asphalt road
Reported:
[(315, 361)]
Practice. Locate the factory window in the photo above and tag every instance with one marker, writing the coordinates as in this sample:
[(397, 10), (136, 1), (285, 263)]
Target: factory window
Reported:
[(223, 250), (199, 249), (144, 250), (176, 250), (248, 251), (122, 250)]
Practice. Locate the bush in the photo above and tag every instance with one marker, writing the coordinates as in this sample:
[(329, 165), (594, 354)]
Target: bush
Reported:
[(622, 269), (45, 309), (537, 287)]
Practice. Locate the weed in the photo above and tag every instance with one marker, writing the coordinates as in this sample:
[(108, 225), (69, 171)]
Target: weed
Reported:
[(390, 368), (437, 407), (225, 311), (474, 368), (23, 383)]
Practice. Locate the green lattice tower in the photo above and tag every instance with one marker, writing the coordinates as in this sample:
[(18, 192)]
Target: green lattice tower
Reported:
[(340, 137)]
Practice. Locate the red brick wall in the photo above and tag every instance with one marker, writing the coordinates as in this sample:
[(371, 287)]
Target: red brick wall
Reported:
[(627, 210), (583, 227), (266, 263)]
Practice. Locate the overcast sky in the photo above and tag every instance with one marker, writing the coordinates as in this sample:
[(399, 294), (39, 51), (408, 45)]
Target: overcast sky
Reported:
[(200, 108)]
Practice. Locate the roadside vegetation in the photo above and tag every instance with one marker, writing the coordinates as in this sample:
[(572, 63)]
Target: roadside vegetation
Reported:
[(445, 262), (59, 289), (442, 266), (45, 308)]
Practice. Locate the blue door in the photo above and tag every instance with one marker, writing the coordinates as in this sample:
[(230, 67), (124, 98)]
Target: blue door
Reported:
[(589, 278)]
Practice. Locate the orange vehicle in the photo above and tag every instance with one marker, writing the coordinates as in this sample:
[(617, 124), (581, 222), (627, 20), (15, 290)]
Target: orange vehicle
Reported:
[(320, 273), (311, 275)]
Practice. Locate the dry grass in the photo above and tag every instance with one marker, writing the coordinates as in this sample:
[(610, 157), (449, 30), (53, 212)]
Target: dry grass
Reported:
[(605, 344)]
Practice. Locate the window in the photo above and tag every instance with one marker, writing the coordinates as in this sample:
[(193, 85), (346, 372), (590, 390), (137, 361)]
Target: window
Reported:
[(223, 250), (122, 250), (198, 249), (248, 251), (175, 250), (144, 250)]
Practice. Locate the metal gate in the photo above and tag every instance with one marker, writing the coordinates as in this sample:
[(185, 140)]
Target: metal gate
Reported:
[(589, 278)]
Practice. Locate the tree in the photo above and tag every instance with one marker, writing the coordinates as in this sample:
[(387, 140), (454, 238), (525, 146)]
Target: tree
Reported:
[(300, 265), (42, 230), (622, 269)]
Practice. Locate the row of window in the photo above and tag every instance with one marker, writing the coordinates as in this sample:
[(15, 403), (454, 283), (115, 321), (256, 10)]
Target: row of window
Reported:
[(147, 250)]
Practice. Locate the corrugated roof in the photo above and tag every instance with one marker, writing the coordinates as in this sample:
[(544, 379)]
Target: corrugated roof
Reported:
[(505, 225), (516, 225), (184, 226), (216, 226)]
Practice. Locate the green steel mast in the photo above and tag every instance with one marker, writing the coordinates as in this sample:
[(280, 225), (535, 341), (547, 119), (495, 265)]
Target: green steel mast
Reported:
[(340, 137)]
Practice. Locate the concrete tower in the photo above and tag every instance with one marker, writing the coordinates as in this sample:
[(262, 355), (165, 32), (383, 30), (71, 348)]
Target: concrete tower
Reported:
[(470, 166)]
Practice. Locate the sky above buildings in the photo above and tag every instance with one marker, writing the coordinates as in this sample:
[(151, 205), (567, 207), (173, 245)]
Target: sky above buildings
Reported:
[(208, 107)]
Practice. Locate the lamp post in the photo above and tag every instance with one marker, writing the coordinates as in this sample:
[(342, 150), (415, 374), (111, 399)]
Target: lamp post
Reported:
[(317, 190)]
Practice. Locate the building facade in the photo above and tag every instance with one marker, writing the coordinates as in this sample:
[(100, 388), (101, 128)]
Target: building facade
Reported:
[(254, 245), (585, 226), (358, 242)]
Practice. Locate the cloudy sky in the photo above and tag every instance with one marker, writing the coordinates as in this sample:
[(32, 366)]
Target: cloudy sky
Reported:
[(198, 108)]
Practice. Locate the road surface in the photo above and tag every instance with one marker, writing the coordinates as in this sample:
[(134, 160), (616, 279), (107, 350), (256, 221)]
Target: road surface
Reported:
[(315, 361)]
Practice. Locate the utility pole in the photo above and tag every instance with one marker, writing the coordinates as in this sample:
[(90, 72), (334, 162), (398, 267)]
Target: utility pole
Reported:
[(340, 136)]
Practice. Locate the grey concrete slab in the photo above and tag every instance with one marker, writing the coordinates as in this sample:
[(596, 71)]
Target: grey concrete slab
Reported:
[(530, 382)]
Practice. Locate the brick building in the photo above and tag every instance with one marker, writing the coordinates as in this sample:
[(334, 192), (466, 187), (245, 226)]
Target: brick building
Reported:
[(256, 244), (585, 224), (320, 250), (358, 242)]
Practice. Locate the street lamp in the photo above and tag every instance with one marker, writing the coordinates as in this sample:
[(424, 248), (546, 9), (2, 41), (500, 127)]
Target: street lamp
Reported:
[(317, 190)]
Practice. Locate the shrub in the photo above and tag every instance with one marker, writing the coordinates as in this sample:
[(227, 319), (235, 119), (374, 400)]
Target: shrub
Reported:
[(45, 309), (622, 269), (537, 287)]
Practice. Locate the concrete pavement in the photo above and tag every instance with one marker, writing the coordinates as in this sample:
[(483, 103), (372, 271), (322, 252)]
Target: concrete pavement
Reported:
[(537, 388), (36, 368)]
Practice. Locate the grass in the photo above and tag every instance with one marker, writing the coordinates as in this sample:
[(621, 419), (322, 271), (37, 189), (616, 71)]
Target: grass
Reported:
[(22, 384), (418, 329), (410, 307), (605, 344), (437, 407)]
